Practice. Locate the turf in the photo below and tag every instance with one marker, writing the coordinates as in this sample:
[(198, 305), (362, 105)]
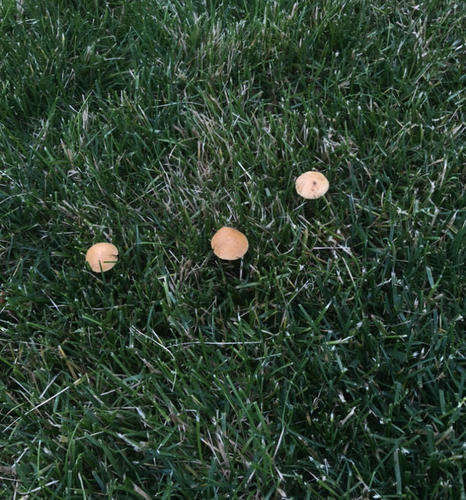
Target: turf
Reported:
[(330, 361)]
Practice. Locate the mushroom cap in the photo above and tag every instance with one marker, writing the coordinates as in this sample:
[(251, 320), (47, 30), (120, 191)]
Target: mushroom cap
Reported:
[(229, 243), (312, 185), (102, 257)]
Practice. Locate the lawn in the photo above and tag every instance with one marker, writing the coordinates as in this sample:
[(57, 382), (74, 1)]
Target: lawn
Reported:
[(329, 362)]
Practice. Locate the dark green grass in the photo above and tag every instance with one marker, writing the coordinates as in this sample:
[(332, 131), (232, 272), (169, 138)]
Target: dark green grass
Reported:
[(330, 362)]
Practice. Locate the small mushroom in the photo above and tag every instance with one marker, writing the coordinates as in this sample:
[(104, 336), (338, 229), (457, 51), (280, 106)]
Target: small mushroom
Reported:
[(229, 243), (312, 185), (102, 257)]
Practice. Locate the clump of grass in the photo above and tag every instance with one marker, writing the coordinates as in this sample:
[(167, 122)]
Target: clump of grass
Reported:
[(329, 363)]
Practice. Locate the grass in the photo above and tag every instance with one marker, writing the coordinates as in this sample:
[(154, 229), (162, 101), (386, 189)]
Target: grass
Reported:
[(330, 361)]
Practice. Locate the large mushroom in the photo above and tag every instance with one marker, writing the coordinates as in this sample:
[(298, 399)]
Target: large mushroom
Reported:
[(229, 243), (102, 257), (312, 185)]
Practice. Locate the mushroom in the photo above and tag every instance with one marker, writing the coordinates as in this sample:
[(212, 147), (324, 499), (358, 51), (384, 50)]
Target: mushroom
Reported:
[(312, 185), (229, 243), (102, 257)]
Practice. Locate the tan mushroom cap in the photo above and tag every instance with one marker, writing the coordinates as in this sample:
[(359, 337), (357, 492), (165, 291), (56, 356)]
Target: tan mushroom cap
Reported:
[(312, 185), (229, 243), (102, 257)]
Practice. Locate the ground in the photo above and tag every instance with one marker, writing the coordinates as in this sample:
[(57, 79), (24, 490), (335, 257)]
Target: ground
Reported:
[(329, 361)]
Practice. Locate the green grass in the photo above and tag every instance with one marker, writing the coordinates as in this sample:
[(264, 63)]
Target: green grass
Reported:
[(330, 361)]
